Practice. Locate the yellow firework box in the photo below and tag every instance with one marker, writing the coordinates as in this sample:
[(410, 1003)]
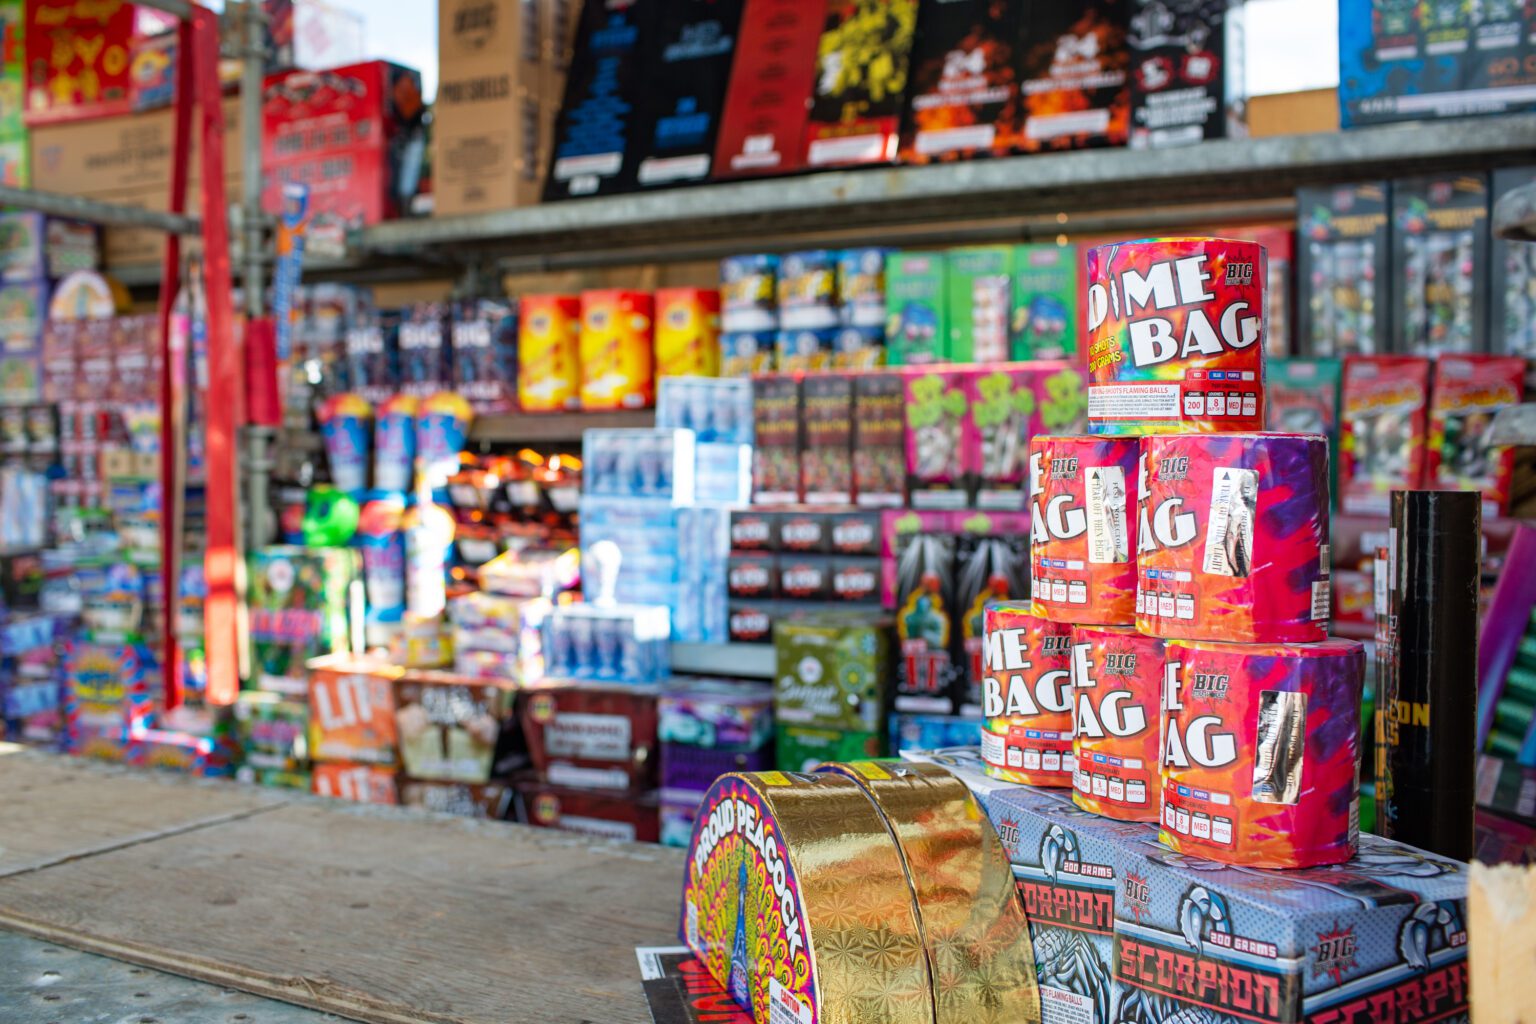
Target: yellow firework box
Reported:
[(973, 924), (797, 901)]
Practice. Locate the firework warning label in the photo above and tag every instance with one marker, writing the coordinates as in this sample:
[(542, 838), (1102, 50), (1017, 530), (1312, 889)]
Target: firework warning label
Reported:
[(1062, 1007), (1133, 402)]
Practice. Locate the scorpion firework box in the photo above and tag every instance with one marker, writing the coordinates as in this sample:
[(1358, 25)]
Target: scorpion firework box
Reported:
[(1117, 682), (1383, 432), (1084, 495), (972, 922), (964, 95), (1074, 85), (1261, 751), (1065, 864), (1026, 735), (832, 938), (1176, 330), (861, 82), (1468, 391), (1382, 938), (1233, 537)]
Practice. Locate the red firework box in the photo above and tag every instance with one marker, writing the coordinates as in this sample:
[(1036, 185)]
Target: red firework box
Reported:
[(1176, 335), (359, 783), (1468, 391), (767, 102), (1384, 431), (1233, 538), (1261, 752), (1084, 492), (592, 736), (1026, 736), (1117, 683)]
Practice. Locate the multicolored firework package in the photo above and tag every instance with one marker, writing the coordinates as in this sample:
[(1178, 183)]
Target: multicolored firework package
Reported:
[(1027, 697), (861, 82), (1233, 538), (1384, 429), (1261, 752), (1468, 391), (1083, 499), (964, 96), (1117, 683), (1176, 336)]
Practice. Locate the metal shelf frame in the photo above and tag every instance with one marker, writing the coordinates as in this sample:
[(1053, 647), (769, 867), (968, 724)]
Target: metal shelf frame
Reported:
[(741, 661), (1233, 180)]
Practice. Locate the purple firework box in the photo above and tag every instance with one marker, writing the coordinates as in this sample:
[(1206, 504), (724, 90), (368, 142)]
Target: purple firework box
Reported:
[(1509, 613), (1128, 932), (711, 727)]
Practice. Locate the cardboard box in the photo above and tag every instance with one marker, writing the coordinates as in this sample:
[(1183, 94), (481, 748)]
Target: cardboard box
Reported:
[(603, 815), (1187, 72), (1344, 304), (927, 674), (800, 748), (298, 610), (548, 353), (1440, 264), (492, 122), (491, 801), (776, 455), (1303, 398), (963, 98), (767, 103), (1074, 81), (826, 464), (352, 714), (596, 147), (359, 783), (1468, 391), (687, 332), (350, 134), (861, 81), (592, 736), (686, 73), (938, 425)]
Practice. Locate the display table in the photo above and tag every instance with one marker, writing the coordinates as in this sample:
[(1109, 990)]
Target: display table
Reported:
[(377, 914)]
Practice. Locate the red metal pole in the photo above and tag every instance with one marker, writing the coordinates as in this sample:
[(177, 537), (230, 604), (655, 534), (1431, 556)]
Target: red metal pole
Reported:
[(170, 440), (226, 376)]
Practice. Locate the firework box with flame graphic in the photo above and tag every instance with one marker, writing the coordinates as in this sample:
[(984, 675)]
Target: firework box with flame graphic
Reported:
[(1468, 391), (1074, 87), (1384, 430), (964, 96)]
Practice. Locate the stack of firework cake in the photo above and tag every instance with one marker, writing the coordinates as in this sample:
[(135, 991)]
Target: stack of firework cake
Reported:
[(1174, 664)]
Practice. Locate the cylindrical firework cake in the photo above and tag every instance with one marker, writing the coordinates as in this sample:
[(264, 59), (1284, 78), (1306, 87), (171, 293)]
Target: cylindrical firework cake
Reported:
[(1083, 497), (1176, 330), (797, 902), (1261, 751), (972, 922), (1117, 685), (1026, 733), (1233, 538)]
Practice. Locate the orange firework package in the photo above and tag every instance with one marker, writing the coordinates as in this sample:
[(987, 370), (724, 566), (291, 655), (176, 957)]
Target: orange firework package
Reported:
[(1176, 330), (617, 358), (1385, 425), (548, 371), (1468, 391), (687, 332), (1027, 697), (1233, 538), (1117, 682), (1261, 752), (1083, 496)]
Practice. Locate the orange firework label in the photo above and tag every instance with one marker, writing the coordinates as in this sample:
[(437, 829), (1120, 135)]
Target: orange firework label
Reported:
[(1117, 680), (1083, 495), (1027, 697)]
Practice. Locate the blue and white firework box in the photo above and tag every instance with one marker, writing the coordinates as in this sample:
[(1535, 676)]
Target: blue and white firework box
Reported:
[(1381, 939)]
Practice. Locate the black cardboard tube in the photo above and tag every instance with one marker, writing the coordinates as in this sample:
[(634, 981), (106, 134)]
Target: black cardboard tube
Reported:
[(1432, 680)]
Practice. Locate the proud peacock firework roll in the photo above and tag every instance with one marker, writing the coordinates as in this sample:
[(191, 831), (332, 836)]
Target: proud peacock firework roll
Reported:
[(1176, 330), (1083, 499), (1117, 685), (1261, 751), (1233, 538)]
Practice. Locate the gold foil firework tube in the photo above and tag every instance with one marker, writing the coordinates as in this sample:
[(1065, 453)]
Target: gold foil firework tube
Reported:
[(972, 921), (796, 898), (1026, 734), (1117, 683)]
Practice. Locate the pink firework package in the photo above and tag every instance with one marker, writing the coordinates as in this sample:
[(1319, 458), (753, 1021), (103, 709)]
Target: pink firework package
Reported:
[(1176, 330), (1233, 538), (1117, 685), (1261, 750), (1083, 499), (1026, 735)]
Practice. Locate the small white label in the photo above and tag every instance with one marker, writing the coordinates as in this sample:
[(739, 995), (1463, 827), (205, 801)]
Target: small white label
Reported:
[(1322, 600), (853, 149), (784, 1007), (1133, 402), (1229, 533), (1107, 533), (971, 136)]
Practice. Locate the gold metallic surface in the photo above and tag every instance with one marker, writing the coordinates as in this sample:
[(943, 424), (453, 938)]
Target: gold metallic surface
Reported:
[(974, 927), (864, 937)]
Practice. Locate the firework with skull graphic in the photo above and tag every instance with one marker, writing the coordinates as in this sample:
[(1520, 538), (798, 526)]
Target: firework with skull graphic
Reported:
[(1233, 538)]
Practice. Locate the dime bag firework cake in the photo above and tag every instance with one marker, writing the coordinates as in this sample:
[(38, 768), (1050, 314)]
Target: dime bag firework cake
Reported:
[(972, 920), (1176, 330), (1233, 538), (797, 902), (1083, 499), (1026, 734), (1261, 752), (1117, 686)]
